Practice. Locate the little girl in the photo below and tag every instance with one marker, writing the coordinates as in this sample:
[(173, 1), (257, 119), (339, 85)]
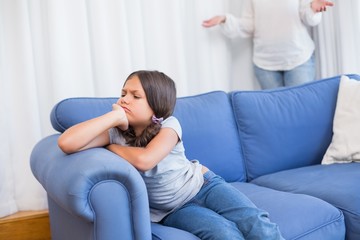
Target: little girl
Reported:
[(182, 194)]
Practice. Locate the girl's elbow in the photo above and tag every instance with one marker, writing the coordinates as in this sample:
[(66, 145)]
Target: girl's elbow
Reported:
[(66, 146), (143, 167), (143, 164)]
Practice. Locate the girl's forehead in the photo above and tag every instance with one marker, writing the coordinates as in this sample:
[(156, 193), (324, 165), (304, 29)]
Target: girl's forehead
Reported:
[(133, 83)]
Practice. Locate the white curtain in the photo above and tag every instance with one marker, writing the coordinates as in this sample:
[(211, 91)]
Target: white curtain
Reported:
[(338, 40), (55, 49)]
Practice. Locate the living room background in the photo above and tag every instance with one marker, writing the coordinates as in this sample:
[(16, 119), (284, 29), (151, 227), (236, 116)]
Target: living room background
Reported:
[(51, 50)]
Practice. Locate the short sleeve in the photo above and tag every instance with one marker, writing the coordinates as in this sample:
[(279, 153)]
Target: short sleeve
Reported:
[(116, 137), (172, 122)]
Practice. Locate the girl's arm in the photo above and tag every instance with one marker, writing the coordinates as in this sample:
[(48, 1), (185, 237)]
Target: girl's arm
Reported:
[(146, 158), (93, 132)]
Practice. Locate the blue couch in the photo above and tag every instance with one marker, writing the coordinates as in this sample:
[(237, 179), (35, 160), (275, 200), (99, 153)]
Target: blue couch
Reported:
[(268, 144)]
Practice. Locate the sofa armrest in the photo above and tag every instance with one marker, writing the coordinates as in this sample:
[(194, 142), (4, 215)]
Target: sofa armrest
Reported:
[(74, 182)]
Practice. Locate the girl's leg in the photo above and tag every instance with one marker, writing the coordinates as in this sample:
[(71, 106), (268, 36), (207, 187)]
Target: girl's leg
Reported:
[(301, 74), (269, 79), (203, 222), (233, 205)]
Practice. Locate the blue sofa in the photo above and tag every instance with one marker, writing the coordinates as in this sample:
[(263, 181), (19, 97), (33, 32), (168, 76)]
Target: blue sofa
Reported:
[(268, 144)]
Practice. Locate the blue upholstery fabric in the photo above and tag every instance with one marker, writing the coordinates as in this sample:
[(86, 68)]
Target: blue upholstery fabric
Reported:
[(275, 138), (161, 232), (71, 111), (209, 133), (93, 185), (338, 184), (66, 225), (294, 213), (285, 128)]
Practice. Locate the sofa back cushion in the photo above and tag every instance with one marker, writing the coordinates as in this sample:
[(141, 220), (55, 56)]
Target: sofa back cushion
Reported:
[(210, 135), (285, 128), (207, 120), (71, 111)]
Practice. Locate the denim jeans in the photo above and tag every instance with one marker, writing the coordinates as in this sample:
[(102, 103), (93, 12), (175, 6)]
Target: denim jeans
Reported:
[(296, 76), (221, 212)]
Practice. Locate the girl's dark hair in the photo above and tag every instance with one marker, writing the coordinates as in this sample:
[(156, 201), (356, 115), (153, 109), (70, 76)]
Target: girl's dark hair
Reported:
[(160, 93)]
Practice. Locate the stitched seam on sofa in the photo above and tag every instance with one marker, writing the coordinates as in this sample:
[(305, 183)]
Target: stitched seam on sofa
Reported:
[(230, 98), (56, 114), (201, 94), (240, 136), (346, 210), (341, 216), (92, 209), (335, 78), (155, 237)]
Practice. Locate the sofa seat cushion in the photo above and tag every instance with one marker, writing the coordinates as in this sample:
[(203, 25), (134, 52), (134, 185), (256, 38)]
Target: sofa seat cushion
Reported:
[(161, 232), (294, 213), (338, 184)]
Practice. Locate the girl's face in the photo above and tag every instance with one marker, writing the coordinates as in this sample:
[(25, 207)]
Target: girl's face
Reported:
[(133, 101)]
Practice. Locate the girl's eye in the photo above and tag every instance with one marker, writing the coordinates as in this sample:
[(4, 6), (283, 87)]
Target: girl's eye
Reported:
[(137, 97)]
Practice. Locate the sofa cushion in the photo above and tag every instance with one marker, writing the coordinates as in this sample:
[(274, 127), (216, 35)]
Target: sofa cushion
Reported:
[(338, 184), (71, 111), (294, 213), (207, 120), (161, 232), (345, 144), (285, 128), (209, 133)]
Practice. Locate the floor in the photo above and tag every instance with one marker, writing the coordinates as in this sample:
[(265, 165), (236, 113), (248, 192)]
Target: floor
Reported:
[(29, 225)]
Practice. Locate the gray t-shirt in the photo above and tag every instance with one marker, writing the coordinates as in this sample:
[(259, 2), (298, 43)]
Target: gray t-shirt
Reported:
[(174, 180)]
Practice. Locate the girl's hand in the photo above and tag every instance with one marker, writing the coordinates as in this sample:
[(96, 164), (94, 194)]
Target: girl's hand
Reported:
[(123, 122), (320, 5), (214, 21)]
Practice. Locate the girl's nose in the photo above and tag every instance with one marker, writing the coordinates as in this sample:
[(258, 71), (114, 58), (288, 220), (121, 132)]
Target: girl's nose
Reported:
[(122, 100)]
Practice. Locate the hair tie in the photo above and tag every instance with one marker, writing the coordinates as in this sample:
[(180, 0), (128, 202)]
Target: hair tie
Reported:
[(157, 120)]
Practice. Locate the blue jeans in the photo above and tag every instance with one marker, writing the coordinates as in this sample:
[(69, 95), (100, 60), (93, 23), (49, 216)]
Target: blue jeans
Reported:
[(221, 212), (296, 76)]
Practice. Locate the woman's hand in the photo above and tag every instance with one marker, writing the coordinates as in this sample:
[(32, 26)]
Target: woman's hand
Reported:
[(123, 122), (320, 5), (214, 21)]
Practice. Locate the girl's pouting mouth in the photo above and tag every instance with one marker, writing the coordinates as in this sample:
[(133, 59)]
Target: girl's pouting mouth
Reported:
[(126, 109)]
